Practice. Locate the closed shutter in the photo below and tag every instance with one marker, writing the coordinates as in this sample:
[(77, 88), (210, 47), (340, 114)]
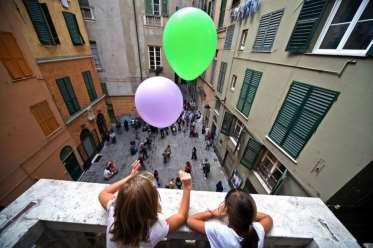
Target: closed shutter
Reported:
[(307, 22), (229, 37), (39, 22), (44, 117), (148, 7), (222, 12), (301, 113), (12, 58), (89, 85), (164, 8), (209, 9), (227, 123), (68, 95), (223, 68), (251, 154), (248, 91), (73, 27), (83, 3), (267, 31)]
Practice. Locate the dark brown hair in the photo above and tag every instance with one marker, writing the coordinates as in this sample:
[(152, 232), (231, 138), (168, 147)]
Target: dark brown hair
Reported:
[(136, 210), (241, 211)]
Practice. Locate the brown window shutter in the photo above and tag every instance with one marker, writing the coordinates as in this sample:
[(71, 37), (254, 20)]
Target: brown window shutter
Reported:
[(44, 117)]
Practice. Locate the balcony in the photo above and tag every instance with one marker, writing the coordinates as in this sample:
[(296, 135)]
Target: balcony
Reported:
[(55, 213), (153, 20)]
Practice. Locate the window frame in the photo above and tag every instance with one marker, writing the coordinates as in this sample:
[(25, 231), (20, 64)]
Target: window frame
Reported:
[(339, 50), (154, 52), (159, 7), (233, 82), (244, 33), (96, 56), (217, 106), (91, 13), (43, 118), (236, 124)]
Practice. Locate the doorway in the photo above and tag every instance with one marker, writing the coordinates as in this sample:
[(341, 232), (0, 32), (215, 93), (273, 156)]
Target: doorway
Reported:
[(88, 142), (101, 124), (70, 162)]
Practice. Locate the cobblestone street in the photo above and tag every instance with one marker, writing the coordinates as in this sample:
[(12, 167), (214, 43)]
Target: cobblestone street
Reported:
[(181, 146)]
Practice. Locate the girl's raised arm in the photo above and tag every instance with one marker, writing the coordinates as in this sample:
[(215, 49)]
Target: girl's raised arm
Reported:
[(108, 192)]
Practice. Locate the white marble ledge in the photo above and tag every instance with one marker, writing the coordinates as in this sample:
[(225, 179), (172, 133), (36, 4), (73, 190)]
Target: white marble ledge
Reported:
[(73, 206)]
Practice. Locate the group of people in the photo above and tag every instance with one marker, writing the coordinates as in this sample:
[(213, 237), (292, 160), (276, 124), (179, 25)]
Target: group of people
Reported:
[(129, 225), (110, 169)]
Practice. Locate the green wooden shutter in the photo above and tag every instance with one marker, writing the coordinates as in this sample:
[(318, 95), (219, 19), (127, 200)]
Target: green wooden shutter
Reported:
[(73, 27), (248, 91), (39, 22), (227, 122), (148, 7), (301, 113), (251, 154), (164, 8), (223, 68), (222, 13), (307, 22), (229, 37), (83, 3), (89, 85), (68, 95)]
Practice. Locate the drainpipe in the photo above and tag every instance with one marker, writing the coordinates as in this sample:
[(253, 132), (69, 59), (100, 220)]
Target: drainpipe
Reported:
[(137, 38)]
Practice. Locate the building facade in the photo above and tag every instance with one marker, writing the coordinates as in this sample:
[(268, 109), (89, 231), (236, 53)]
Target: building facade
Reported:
[(289, 97), (56, 114), (126, 40)]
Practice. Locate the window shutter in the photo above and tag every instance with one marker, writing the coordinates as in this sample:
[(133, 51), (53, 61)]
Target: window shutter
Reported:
[(72, 94), (251, 154), (209, 9), (148, 7), (227, 122), (223, 68), (301, 113), (248, 91), (307, 22), (222, 12), (229, 37), (83, 3), (68, 95), (89, 85), (164, 8), (73, 27), (267, 31), (39, 22)]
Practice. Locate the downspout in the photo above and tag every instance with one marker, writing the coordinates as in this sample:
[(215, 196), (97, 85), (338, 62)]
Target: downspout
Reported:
[(137, 38)]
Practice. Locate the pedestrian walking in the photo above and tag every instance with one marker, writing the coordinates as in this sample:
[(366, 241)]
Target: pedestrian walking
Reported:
[(194, 153), (156, 176), (206, 168), (188, 167), (219, 187), (112, 137), (125, 125)]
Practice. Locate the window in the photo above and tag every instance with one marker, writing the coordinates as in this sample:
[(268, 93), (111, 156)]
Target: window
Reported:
[(223, 68), (213, 71), (251, 153), (44, 117), (237, 128), (67, 92), (95, 54), (12, 58), (154, 57), (271, 170), (306, 25), (243, 39), (212, 12), (87, 13), (227, 122), (267, 30), (248, 91), (89, 85), (235, 3), (301, 113), (73, 27), (229, 37), (348, 30), (222, 13), (217, 105), (156, 7), (233, 83), (42, 22)]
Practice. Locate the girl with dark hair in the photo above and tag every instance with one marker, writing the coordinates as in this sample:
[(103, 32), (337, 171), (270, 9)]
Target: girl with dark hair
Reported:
[(246, 227), (133, 207)]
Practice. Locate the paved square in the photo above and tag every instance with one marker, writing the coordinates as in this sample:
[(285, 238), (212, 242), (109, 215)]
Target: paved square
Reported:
[(181, 146)]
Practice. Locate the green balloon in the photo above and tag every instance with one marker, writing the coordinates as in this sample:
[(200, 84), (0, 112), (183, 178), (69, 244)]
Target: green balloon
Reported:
[(189, 42)]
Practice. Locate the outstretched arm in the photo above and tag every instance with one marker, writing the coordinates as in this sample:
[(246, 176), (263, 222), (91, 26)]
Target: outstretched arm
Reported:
[(108, 192), (196, 222), (176, 220)]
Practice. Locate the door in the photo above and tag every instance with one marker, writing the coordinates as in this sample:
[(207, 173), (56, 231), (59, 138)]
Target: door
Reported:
[(70, 162), (101, 124), (87, 142)]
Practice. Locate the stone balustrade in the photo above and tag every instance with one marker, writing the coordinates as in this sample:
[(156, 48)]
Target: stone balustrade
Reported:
[(68, 213)]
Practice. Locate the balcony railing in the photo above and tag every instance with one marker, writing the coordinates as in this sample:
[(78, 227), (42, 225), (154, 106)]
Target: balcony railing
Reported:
[(152, 20), (55, 213)]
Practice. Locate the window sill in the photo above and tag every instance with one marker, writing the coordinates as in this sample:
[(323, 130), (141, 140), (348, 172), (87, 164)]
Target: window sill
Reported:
[(216, 112), (281, 149), (258, 51), (89, 19), (338, 53), (100, 69), (82, 111), (234, 142), (232, 89), (242, 114), (261, 181)]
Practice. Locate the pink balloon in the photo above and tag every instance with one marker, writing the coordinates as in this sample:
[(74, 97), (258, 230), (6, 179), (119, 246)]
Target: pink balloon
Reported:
[(159, 101)]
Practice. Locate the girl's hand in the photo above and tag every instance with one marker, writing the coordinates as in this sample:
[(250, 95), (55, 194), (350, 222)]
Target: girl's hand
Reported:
[(186, 179), (135, 168)]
